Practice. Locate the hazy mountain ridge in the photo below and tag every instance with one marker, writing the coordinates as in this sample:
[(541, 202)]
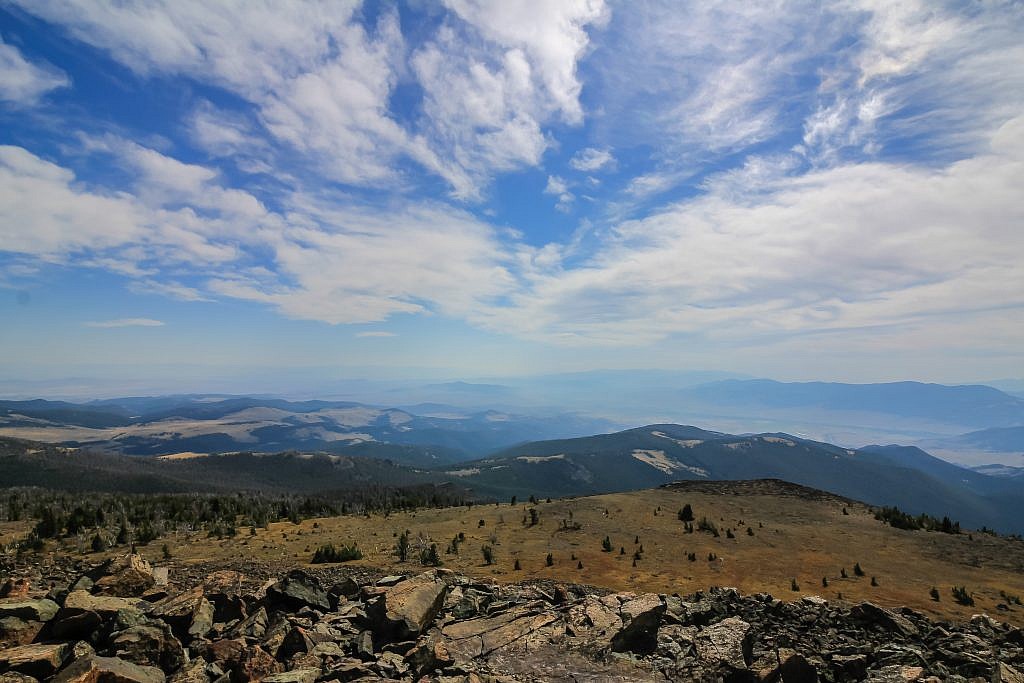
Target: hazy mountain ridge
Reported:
[(973, 405), (164, 425)]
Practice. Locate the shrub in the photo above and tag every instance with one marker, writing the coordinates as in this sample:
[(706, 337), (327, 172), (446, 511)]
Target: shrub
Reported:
[(328, 553), (794, 585), (579, 565), (686, 513), (429, 556), (857, 571), (606, 545), (824, 582), (517, 566), (961, 595), (874, 581), (708, 526), (549, 560), (934, 592)]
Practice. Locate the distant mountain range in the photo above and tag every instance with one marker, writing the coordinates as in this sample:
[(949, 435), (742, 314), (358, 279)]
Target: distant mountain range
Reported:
[(207, 424), (657, 454), (970, 405), (633, 459)]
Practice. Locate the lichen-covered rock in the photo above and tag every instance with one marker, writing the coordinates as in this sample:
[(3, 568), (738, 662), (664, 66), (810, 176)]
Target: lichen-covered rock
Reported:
[(29, 610), (726, 642)]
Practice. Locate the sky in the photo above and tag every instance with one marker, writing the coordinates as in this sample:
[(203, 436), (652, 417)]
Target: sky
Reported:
[(463, 188)]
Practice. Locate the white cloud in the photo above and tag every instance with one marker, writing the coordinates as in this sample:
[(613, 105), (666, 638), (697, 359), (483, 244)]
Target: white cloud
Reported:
[(125, 322), (321, 83), (24, 83), (376, 334), (854, 247), (592, 159), (558, 187), (324, 260), (493, 81)]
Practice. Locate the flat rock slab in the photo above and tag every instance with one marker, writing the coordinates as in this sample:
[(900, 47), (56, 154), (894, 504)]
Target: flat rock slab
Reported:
[(294, 676), (474, 638), (40, 660), (93, 669)]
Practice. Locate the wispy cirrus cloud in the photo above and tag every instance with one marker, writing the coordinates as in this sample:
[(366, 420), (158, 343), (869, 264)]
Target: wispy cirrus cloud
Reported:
[(125, 322), (23, 82)]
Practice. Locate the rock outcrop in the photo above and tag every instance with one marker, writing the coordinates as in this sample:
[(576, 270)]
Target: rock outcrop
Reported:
[(309, 627)]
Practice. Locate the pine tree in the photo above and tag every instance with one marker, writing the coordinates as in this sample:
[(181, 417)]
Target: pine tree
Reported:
[(686, 514), (606, 544), (550, 560)]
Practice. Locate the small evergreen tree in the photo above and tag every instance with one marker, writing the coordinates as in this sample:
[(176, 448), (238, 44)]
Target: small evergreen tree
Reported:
[(606, 544), (99, 544), (686, 513), (517, 566), (794, 585), (488, 553), (934, 592), (550, 560), (824, 582), (402, 548), (857, 571)]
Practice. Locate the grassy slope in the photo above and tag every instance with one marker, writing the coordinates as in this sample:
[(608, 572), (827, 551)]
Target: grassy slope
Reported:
[(805, 537)]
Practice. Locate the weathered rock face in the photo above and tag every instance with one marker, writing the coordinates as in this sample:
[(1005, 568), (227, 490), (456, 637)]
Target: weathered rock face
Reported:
[(407, 607), (298, 590), (125, 577), (437, 626), (189, 613)]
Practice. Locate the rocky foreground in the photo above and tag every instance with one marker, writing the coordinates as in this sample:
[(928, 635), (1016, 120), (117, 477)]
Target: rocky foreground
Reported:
[(122, 622)]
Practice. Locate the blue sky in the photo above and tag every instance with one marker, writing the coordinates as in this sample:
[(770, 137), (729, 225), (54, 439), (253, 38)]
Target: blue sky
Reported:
[(462, 189)]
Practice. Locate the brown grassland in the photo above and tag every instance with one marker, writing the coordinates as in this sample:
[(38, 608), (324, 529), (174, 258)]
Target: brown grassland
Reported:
[(792, 538)]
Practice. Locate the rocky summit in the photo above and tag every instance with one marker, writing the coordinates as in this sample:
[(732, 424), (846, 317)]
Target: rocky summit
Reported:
[(121, 622)]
